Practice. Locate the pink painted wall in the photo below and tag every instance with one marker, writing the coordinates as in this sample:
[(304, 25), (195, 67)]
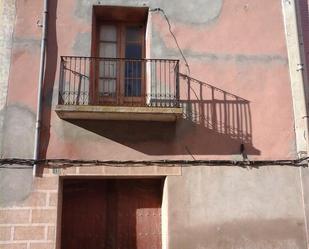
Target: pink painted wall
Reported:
[(241, 55)]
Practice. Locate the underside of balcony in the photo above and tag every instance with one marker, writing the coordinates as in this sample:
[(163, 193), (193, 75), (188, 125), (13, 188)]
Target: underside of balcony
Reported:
[(166, 114)]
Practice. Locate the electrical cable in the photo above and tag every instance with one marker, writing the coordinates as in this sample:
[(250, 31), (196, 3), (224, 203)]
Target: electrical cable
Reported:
[(173, 35), (17, 163)]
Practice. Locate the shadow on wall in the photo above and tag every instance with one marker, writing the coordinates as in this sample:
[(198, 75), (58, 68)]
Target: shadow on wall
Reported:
[(214, 122), (304, 19), (50, 75), (223, 118)]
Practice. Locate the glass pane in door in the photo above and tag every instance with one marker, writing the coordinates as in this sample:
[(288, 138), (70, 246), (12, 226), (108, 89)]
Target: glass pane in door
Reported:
[(133, 65), (134, 34), (108, 49), (107, 62), (133, 72), (107, 88), (108, 68), (108, 33)]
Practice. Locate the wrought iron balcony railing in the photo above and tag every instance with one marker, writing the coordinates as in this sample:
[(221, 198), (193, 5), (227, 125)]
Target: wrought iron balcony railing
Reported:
[(119, 82)]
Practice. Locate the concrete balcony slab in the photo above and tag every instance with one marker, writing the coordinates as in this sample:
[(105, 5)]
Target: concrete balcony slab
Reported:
[(133, 113)]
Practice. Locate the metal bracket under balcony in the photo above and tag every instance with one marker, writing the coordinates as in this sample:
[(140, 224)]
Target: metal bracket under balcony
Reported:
[(119, 89)]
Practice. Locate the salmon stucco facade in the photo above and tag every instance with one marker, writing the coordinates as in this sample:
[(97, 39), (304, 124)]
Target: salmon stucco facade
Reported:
[(153, 124)]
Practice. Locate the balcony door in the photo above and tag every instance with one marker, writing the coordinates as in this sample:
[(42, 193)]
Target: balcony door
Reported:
[(121, 70)]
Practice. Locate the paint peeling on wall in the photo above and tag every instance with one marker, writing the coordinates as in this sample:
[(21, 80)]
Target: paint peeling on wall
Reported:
[(26, 44), (7, 17), (15, 185), (194, 13), (159, 49), (18, 132), (81, 46)]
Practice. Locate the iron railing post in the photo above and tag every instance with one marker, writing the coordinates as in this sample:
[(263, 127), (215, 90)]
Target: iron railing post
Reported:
[(177, 84), (61, 83)]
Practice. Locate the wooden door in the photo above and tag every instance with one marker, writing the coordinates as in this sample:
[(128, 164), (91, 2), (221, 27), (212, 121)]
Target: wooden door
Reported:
[(121, 68), (84, 215), (139, 214), (112, 214)]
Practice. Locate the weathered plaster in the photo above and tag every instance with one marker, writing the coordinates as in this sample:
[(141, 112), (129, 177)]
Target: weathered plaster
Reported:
[(15, 184), (304, 174), (159, 49), (15, 139), (18, 132), (82, 44), (299, 89), (26, 44), (7, 17), (296, 75), (193, 13), (230, 207)]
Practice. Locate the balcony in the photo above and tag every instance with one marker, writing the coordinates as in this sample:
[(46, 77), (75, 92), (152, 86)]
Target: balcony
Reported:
[(119, 89)]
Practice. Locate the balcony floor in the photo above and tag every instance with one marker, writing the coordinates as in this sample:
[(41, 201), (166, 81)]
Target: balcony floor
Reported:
[(134, 113)]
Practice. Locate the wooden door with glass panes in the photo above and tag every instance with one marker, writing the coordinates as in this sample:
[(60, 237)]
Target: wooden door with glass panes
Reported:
[(121, 70)]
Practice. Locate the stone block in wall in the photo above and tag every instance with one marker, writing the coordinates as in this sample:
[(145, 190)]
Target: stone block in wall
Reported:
[(14, 216), (29, 233)]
